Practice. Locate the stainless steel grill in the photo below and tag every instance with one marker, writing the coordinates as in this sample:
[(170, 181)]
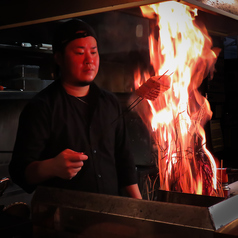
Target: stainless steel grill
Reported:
[(64, 213)]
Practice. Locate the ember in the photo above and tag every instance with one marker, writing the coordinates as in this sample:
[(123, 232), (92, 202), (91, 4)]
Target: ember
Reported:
[(178, 115)]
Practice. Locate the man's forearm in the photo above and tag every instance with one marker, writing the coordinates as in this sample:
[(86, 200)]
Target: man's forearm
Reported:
[(133, 191), (38, 171)]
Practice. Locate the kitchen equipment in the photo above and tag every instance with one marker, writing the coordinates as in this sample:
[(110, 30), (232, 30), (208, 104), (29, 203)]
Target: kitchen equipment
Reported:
[(67, 213)]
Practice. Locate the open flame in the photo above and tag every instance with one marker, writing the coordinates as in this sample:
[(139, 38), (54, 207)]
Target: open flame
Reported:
[(182, 51)]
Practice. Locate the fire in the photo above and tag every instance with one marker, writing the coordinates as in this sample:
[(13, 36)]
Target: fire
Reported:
[(177, 45)]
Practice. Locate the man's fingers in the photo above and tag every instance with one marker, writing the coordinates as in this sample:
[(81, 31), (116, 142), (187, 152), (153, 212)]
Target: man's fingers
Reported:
[(74, 156), (78, 157), (74, 171), (77, 164)]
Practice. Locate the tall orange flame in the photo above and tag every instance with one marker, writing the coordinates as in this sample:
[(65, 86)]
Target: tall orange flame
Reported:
[(177, 117)]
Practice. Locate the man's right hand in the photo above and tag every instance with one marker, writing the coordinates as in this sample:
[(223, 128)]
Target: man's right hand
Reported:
[(68, 163), (65, 165)]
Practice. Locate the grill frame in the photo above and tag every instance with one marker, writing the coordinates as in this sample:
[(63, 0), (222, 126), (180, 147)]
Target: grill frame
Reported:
[(81, 214)]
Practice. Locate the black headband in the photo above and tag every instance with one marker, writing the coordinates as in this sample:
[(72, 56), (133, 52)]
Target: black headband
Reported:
[(69, 31)]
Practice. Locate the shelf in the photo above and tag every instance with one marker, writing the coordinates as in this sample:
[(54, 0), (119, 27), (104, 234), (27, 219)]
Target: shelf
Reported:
[(7, 95), (24, 49)]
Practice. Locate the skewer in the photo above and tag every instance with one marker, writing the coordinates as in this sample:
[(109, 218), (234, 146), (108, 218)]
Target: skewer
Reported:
[(134, 103)]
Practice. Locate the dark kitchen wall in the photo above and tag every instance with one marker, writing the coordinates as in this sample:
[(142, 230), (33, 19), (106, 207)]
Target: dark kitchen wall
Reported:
[(213, 90), (9, 114), (221, 92), (9, 111), (230, 115), (24, 70)]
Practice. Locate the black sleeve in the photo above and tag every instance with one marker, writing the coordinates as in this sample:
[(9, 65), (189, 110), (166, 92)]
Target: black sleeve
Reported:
[(124, 158), (33, 132)]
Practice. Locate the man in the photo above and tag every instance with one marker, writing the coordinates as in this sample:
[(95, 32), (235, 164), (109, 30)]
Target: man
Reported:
[(68, 136)]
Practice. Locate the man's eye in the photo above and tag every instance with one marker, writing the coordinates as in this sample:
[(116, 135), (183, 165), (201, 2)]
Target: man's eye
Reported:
[(79, 52), (94, 52)]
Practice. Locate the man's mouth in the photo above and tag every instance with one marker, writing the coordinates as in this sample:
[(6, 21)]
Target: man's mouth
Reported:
[(89, 69)]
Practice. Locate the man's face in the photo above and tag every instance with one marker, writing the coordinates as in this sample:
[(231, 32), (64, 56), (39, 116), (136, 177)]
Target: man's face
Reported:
[(80, 61)]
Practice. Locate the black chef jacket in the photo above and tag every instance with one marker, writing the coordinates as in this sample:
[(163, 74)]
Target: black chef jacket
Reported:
[(54, 121)]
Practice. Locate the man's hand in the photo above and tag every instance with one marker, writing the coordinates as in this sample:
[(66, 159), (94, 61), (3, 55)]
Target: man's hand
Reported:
[(65, 165), (68, 163)]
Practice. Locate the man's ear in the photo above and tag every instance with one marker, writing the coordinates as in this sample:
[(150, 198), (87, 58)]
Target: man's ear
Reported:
[(58, 58)]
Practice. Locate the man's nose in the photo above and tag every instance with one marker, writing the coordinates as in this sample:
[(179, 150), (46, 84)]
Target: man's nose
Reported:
[(88, 58)]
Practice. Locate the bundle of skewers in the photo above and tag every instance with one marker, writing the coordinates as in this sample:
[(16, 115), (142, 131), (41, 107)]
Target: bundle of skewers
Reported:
[(150, 90)]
